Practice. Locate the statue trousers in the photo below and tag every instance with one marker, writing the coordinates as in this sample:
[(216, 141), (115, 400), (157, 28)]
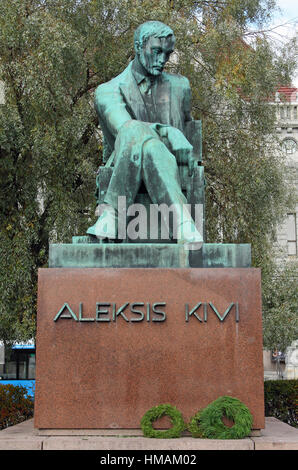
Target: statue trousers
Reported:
[(140, 155)]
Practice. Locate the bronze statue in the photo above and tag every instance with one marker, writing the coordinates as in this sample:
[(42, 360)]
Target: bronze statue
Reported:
[(143, 113)]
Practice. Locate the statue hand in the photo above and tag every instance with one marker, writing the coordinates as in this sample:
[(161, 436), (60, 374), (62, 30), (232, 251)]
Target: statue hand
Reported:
[(180, 146)]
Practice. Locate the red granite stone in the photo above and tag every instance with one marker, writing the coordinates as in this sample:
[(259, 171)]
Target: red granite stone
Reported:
[(107, 374)]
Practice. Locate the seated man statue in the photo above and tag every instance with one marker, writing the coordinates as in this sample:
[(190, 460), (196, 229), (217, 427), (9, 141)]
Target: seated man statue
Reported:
[(142, 113)]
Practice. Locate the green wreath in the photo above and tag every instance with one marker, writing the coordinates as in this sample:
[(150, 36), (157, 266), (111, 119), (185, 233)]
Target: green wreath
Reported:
[(178, 424), (194, 425), (208, 422)]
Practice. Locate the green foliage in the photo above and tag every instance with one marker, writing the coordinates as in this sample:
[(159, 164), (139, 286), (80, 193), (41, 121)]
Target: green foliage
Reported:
[(194, 425), (52, 56), (281, 400), (208, 423), (15, 406), (157, 412), (280, 306)]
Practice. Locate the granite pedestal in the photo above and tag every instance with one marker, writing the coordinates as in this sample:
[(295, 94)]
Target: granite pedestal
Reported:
[(112, 343)]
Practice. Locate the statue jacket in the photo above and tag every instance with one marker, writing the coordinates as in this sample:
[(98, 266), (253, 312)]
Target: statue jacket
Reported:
[(120, 100)]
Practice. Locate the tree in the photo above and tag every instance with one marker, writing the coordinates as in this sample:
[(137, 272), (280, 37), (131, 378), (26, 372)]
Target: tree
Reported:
[(52, 56), (280, 306)]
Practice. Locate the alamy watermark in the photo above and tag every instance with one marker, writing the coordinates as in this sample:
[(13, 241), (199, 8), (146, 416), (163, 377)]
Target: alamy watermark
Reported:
[(153, 222)]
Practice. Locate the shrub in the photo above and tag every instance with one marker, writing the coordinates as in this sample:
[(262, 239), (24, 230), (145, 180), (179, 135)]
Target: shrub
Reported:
[(15, 406), (281, 400)]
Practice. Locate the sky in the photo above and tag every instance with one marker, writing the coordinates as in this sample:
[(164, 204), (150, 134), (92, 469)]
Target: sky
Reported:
[(285, 24)]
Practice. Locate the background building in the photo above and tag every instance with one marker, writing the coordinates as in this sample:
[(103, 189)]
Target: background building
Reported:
[(286, 107), (286, 101)]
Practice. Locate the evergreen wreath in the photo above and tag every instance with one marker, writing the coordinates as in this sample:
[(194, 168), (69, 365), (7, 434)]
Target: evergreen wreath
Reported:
[(209, 420), (194, 425), (178, 424)]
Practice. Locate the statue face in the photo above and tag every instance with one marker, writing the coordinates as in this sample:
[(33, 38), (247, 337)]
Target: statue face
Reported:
[(155, 53)]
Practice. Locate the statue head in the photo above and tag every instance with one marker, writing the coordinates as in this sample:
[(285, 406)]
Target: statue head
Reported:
[(154, 42)]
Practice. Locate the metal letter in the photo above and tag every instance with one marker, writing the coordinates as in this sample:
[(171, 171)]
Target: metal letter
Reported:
[(148, 312), (81, 314), (237, 312), (192, 312), (59, 314), (205, 311), (119, 311), (139, 312), (221, 318), (158, 311), (102, 312)]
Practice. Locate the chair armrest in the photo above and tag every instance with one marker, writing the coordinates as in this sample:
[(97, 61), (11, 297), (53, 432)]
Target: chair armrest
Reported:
[(193, 133)]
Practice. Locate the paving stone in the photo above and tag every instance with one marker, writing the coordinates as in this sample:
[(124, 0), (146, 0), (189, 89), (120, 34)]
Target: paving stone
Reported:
[(23, 436)]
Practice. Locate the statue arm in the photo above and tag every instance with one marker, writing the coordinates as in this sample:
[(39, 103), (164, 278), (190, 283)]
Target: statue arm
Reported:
[(174, 138), (185, 90), (111, 108), (187, 101)]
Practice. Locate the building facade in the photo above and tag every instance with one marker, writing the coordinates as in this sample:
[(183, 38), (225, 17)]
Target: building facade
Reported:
[(286, 109), (286, 103)]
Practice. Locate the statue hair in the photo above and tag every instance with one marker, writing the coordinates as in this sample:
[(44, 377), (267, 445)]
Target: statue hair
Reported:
[(152, 28)]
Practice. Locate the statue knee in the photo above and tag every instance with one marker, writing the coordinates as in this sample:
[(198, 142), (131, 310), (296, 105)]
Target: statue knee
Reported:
[(152, 146), (133, 132), (155, 148)]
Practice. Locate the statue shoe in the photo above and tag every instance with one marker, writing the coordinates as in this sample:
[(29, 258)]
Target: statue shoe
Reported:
[(106, 225), (189, 236)]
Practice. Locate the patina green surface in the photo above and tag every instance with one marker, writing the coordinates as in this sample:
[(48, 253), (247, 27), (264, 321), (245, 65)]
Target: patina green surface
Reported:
[(153, 153), (81, 254), (144, 114), (193, 188)]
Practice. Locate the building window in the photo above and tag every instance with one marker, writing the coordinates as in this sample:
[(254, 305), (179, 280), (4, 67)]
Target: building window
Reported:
[(282, 112), (19, 364), (288, 112), (289, 145), (292, 234)]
